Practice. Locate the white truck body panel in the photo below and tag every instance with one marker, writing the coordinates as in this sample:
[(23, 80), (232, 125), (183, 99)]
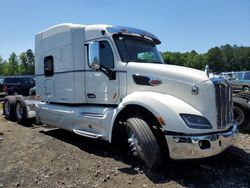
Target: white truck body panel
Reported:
[(65, 43), (90, 121), (176, 83)]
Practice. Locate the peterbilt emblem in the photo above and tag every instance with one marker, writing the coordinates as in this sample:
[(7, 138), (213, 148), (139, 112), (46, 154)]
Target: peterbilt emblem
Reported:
[(195, 90), (154, 82)]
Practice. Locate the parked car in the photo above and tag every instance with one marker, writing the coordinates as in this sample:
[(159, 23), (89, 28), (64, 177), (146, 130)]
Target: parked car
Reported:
[(18, 85), (2, 92), (233, 78), (244, 79)]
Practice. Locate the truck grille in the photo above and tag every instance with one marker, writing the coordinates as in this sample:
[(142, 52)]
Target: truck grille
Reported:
[(223, 92)]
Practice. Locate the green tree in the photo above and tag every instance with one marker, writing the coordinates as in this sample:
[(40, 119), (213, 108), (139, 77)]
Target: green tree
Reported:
[(23, 63), (229, 58), (242, 57), (30, 62), (215, 59), (1, 65), (13, 64), (4, 68), (174, 58)]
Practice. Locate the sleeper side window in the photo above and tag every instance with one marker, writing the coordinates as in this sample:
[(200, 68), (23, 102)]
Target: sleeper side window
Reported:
[(48, 66)]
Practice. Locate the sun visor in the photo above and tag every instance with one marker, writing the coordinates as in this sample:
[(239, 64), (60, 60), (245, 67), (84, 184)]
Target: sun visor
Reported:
[(132, 31)]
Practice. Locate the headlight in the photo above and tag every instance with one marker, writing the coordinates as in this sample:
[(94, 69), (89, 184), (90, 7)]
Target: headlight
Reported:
[(196, 122)]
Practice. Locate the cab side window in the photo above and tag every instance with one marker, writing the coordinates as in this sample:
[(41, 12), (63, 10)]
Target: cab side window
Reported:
[(106, 55)]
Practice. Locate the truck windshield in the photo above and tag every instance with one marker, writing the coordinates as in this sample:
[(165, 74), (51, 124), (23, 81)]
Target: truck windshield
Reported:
[(137, 49)]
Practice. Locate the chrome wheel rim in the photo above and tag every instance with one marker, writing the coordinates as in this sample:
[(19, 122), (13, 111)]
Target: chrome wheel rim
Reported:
[(246, 89), (6, 108), (238, 115), (19, 110), (133, 142)]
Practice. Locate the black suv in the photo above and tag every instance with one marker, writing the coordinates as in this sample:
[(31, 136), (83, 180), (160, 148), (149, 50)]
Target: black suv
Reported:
[(18, 85)]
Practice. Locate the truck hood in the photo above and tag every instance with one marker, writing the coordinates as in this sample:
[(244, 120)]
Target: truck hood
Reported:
[(166, 72), (176, 81)]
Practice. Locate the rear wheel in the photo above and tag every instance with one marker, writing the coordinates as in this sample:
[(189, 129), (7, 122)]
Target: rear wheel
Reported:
[(9, 107), (20, 111), (246, 89), (143, 143), (241, 112)]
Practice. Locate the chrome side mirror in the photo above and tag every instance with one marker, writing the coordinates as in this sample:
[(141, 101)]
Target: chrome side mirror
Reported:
[(93, 55), (207, 70)]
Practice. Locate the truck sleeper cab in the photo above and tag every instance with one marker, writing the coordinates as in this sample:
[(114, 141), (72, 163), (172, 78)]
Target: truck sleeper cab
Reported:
[(110, 83)]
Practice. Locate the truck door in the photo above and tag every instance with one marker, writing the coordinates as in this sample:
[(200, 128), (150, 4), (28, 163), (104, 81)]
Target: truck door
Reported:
[(100, 88)]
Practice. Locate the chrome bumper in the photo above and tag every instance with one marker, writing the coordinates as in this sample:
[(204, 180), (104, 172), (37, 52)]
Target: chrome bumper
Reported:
[(192, 147)]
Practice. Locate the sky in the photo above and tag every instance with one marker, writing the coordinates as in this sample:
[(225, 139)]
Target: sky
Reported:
[(181, 25)]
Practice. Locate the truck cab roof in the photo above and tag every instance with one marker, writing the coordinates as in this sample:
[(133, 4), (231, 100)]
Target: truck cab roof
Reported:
[(92, 31)]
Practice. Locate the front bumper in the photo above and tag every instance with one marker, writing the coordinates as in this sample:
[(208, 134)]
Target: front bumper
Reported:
[(200, 146)]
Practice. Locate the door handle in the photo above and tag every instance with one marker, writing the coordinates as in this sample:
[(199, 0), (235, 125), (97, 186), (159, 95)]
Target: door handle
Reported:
[(91, 95), (45, 91)]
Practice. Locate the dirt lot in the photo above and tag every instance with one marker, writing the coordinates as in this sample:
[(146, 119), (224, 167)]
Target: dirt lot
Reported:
[(33, 156)]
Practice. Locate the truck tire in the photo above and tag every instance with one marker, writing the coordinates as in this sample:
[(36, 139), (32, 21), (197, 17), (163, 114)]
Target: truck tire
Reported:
[(20, 110), (241, 112), (143, 143), (243, 95), (9, 107), (246, 89)]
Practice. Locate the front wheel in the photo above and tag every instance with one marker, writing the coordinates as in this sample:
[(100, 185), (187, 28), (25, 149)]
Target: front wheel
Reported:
[(143, 143), (21, 112)]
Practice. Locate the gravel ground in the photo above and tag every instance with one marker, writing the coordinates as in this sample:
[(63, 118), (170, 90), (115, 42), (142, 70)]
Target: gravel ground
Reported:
[(36, 156)]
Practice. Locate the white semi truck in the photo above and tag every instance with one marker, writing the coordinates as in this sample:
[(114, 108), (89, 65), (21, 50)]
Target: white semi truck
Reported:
[(110, 82)]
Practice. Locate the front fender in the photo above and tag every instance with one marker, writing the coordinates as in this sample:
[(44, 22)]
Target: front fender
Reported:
[(166, 106)]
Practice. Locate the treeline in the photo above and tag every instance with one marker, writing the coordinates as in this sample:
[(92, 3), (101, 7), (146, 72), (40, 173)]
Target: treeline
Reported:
[(18, 65), (221, 59)]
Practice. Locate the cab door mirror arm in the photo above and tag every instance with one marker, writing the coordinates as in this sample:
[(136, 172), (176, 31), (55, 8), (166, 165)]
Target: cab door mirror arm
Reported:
[(108, 72)]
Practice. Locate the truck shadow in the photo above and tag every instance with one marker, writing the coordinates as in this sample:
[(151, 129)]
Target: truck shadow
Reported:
[(229, 169)]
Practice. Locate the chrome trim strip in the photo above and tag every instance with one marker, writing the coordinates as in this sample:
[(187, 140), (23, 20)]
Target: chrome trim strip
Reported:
[(74, 71), (87, 134), (91, 115)]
